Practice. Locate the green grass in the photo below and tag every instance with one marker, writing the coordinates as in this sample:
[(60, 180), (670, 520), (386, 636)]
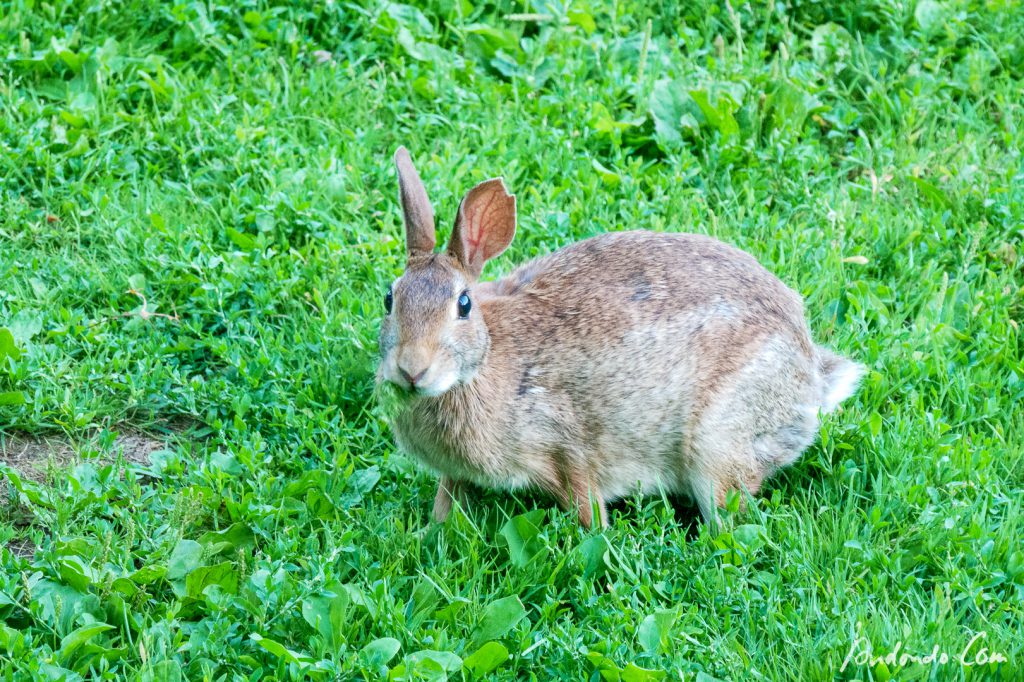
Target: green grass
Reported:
[(207, 157)]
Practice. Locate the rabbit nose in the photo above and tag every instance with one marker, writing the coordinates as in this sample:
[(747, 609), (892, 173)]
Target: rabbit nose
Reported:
[(412, 379)]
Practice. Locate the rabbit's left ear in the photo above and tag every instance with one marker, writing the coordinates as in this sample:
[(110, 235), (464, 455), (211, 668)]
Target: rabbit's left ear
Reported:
[(484, 226)]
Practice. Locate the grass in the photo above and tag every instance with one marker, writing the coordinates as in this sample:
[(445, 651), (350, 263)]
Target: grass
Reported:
[(198, 218)]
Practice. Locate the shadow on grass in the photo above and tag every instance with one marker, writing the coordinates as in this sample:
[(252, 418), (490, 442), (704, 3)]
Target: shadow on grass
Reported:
[(490, 509)]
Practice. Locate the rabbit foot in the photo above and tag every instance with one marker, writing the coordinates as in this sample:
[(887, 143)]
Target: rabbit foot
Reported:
[(585, 509), (584, 498), (448, 490)]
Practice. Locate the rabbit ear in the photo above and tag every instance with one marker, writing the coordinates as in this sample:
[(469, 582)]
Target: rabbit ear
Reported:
[(419, 215), (485, 225)]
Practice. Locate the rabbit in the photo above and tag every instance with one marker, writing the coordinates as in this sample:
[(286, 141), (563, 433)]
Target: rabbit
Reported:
[(629, 361)]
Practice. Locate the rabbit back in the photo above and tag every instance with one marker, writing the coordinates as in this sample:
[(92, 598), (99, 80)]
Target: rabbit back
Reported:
[(647, 349)]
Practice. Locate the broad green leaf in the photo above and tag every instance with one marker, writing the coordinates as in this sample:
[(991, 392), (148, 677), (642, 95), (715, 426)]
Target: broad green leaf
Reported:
[(634, 673), (12, 398), (235, 536), (73, 641), (596, 554), (326, 613), (92, 655), (668, 105), (1015, 566), (76, 572), (63, 605), (487, 658), (608, 176), (720, 114), (8, 348), (790, 107), (226, 462), (831, 44), (25, 325), (749, 535), (423, 51), (604, 666), (32, 491), (422, 603), (731, 551), (521, 533), (490, 39), (125, 587), (242, 240), (582, 18), (312, 479), (875, 423), (498, 618), (56, 673), (409, 17), (185, 558), (603, 122), (379, 652), (445, 660), (655, 631), (39, 287), (930, 15), (359, 483), (319, 505), (148, 574), (222, 575), (11, 640), (297, 657)]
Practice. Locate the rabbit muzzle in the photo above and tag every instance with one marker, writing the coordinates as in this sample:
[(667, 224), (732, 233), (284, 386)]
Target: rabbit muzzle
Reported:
[(419, 371)]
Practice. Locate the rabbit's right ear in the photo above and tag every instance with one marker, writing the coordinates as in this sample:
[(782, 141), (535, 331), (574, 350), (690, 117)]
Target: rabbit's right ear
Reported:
[(419, 215)]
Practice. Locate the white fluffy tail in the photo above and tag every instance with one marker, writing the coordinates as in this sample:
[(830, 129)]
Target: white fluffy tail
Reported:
[(839, 377)]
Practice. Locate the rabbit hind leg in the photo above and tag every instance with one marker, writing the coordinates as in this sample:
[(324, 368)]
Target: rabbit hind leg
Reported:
[(712, 482), (756, 420)]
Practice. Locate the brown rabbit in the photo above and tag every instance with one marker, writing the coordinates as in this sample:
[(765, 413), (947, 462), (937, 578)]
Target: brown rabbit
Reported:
[(628, 361)]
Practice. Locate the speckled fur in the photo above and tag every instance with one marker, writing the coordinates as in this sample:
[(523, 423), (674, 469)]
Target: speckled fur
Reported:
[(631, 360)]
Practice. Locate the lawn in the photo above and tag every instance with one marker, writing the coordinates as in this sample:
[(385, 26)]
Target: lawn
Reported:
[(198, 221)]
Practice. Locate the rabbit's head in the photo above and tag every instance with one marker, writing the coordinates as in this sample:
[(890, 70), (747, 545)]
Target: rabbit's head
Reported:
[(433, 336)]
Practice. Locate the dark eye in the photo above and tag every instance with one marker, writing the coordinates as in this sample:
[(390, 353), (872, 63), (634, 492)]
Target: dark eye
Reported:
[(389, 301), (464, 305)]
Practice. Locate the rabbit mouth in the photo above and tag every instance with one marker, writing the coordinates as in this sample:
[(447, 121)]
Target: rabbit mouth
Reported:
[(428, 387), (435, 387)]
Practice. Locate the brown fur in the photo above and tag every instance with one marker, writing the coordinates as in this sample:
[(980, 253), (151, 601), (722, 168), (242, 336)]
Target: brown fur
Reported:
[(628, 360)]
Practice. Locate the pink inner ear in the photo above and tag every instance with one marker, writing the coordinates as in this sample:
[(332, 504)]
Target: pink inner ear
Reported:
[(474, 235), (485, 225)]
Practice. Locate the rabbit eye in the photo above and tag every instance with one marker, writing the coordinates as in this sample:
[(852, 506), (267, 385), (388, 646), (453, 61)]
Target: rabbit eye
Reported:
[(464, 305), (389, 301)]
